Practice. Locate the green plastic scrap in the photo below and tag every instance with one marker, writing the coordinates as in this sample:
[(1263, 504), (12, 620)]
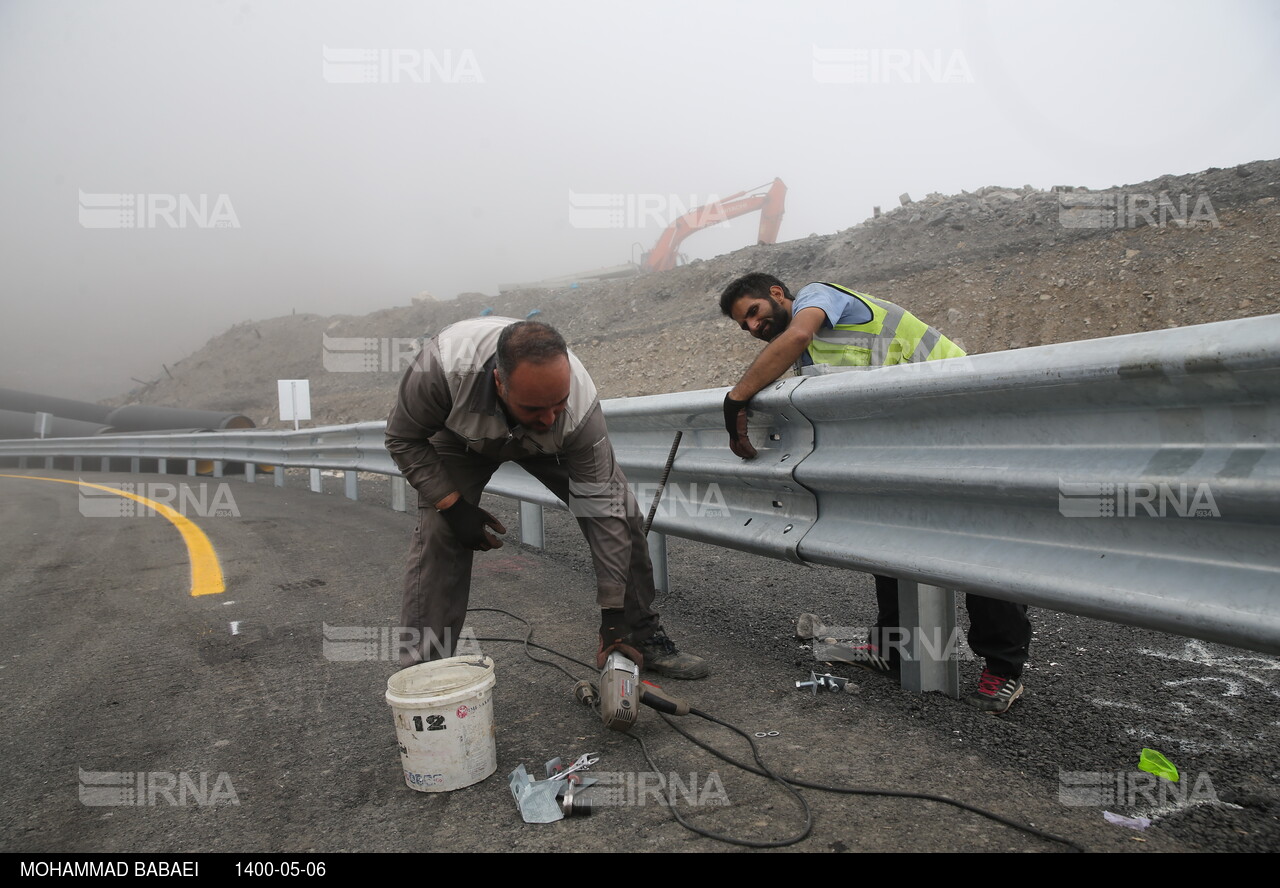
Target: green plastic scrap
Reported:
[(1155, 763)]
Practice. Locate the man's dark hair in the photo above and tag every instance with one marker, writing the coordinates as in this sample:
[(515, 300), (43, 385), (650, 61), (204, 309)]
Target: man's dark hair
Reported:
[(755, 285), (531, 341)]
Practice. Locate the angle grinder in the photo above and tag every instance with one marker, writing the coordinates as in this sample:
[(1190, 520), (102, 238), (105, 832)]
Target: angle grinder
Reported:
[(620, 691)]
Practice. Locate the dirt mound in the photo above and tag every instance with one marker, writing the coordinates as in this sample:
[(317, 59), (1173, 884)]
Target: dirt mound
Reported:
[(996, 268)]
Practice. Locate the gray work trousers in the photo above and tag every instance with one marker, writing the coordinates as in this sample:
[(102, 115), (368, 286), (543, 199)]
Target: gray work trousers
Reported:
[(437, 582)]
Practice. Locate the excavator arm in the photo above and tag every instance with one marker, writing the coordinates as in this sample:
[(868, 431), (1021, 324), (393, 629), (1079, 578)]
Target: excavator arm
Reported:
[(664, 254)]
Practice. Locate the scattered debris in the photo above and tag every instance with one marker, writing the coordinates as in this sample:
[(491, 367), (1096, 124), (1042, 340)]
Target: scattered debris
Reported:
[(824, 682), (1131, 822), (1154, 762)]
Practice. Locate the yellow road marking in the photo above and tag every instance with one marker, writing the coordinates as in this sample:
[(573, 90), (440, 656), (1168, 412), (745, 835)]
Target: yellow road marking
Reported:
[(206, 573)]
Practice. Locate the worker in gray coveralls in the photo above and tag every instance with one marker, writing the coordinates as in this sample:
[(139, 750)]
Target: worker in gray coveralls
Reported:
[(486, 391)]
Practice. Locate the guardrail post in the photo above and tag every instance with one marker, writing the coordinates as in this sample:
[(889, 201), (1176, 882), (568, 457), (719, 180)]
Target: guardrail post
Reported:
[(191, 468), (316, 484), (48, 462), (77, 464), (135, 465), (22, 462), (279, 473), (531, 530), (350, 484), (162, 466), (250, 471), (929, 660), (658, 555), (106, 464), (399, 491), (217, 468)]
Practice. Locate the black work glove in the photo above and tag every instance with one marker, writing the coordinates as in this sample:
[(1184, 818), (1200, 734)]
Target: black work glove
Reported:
[(468, 525), (735, 423)]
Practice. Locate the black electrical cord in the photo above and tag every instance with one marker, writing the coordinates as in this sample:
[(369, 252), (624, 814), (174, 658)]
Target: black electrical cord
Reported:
[(528, 643), (867, 791), (788, 782), (781, 781)]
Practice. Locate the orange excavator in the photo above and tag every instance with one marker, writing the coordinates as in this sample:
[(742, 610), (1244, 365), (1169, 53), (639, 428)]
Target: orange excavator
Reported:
[(665, 255), (767, 199)]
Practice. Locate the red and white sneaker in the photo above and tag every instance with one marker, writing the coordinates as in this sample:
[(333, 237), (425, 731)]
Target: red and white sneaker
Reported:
[(995, 693), (865, 656)]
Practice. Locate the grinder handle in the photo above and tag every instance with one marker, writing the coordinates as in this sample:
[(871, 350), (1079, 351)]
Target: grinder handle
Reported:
[(653, 696)]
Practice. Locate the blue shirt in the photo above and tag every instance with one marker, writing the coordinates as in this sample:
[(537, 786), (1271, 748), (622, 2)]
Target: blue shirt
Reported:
[(840, 308)]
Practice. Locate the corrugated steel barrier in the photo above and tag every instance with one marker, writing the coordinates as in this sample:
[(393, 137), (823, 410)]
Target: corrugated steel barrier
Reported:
[(1134, 479)]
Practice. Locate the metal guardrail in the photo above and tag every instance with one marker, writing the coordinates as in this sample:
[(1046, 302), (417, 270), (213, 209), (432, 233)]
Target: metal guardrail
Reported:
[(1063, 476), (982, 480), (711, 495)]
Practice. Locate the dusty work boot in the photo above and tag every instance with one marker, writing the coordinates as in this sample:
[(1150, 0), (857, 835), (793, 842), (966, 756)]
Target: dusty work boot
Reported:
[(662, 656)]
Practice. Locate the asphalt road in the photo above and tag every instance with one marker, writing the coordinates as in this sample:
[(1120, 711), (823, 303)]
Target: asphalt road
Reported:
[(244, 736)]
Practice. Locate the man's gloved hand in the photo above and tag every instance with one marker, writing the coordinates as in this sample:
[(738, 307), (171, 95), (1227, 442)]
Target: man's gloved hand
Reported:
[(468, 524), (735, 423)]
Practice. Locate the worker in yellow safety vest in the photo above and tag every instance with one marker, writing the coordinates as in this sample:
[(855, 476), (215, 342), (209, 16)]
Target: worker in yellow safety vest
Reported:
[(825, 326)]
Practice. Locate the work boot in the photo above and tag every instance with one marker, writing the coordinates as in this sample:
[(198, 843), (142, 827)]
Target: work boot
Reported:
[(662, 656)]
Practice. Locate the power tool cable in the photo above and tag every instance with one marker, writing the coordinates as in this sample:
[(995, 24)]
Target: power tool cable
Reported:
[(789, 782), (867, 791)]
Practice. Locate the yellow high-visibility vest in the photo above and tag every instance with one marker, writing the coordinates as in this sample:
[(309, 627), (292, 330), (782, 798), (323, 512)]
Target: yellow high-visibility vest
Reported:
[(892, 336)]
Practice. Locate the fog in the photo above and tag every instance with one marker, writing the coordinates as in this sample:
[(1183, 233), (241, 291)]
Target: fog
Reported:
[(351, 156)]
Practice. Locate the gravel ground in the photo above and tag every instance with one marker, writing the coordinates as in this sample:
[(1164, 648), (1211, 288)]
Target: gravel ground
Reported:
[(1097, 694)]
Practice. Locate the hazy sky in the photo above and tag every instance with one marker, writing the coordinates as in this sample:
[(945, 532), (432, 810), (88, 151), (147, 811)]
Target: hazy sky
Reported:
[(352, 155)]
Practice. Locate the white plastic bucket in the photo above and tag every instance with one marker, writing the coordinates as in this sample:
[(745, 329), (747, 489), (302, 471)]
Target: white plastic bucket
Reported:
[(444, 722)]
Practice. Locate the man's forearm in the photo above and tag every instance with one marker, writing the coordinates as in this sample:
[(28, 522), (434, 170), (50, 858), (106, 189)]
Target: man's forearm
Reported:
[(424, 469), (770, 364)]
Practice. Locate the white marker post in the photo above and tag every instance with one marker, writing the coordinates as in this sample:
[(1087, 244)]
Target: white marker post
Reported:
[(295, 400)]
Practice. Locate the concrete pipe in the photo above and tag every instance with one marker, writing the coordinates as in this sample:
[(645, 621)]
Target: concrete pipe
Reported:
[(18, 424), (146, 418), (28, 402)]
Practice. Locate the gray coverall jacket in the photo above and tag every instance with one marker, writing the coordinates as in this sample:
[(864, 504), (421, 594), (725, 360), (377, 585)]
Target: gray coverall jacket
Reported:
[(448, 431)]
